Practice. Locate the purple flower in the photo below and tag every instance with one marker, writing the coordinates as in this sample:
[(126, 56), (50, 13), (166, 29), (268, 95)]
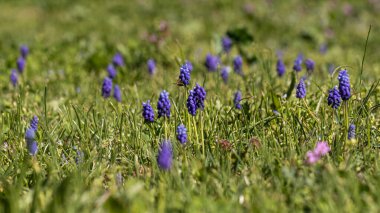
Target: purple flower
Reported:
[(32, 147), (117, 93), (334, 98), (30, 134), (237, 99), (301, 89), (321, 149), (238, 64), (297, 63), (34, 123), (280, 67), (151, 66), (200, 96), (182, 134), (79, 158), (226, 44), (191, 104), (111, 71), (107, 87), (21, 64), (351, 131), (189, 65), (14, 77), (165, 155), (163, 105), (312, 158), (148, 112), (224, 73), (331, 68), (344, 85), (212, 62), (118, 60), (24, 51), (184, 75), (310, 64)]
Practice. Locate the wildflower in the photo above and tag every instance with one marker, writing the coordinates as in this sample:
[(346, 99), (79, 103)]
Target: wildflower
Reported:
[(334, 98), (163, 105), (32, 147), (344, 85), (118, 60), (297, 63), (237, 99), (111, 71), (151, 66), (212, 62), (14, 77), (200, 96), (189, 66), (182, 134), (184, 75), (20, 64), (165, 155), (107, 87), (148, 112), (24, 51), (238, 64), (301, 89), (351, 131), (80, 156), (34, 123), (321, 149), (191, 104), (117, 93), (226, 44), (280, 67), (30, 134), (224, 73), (310, 64), (331, 68)]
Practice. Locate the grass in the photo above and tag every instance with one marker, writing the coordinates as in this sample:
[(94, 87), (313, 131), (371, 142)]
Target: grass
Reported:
[(264, 170)]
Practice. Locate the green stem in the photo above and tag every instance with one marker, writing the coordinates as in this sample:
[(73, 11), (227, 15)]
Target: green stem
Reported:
[(202, 136)]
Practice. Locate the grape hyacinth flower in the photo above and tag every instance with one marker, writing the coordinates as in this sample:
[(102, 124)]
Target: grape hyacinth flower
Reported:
[(344, 85), (24, 51), (301, 89), (163, 105), (237, 99), (351, 132), (280, 67), (117, 93), (310, 64), (182, 134), (148, 112), (111, 71), (191, 104), (212, 62), (21, 64), (238, 64), (151, 66), (34, 123), (184, 75), (32, 147), (107, 87), (189, 66), (321, 149), (200, 96), (14, 77), (226, 44), (165, 155), (30, 134), (334, 98), (79, 158), (224, 73), (118, 60), (297, 63)]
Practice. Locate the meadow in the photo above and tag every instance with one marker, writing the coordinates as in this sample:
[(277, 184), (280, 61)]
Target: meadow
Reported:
[(189, 106)]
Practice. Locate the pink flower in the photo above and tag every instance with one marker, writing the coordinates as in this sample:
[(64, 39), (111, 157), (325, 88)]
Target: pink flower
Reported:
[(312, 158), (321, 149)]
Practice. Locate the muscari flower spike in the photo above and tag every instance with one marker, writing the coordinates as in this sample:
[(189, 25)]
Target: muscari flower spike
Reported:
[(184, 75), (224, 73), (118, 60), (344, 85), (334, 98), (182, 134), (238, 64), (151, 66), (24, 51), (301, 89), (191, 104), (212, 62), (237, 99), (21, 64), (163, 105), (297, 63), (351, 132), (226, 44), (107, 87), (111, 71), (117, 93), (147, 112), (13, 77), (34, 123), (280, 67), (165, 155), (189, 66), (310, 64), (200, 96)]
